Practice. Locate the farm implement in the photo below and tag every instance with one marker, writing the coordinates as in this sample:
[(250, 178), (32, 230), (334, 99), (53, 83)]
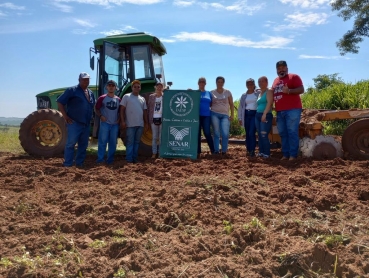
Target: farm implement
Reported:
[(355, 139)]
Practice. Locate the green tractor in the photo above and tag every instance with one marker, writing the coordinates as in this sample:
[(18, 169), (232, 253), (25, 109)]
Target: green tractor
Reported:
[(122, 58)]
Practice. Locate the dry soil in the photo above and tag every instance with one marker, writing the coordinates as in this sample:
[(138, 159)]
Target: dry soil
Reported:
[(213, 217)]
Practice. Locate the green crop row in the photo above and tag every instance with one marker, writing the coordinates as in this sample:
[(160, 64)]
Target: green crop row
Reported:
[(338, 97)]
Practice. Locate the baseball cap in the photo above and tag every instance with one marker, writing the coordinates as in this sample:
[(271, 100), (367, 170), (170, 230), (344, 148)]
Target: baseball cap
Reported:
[(158, 82), (111, 82), (135, 82), (250, 80), (84, 75), (281, 63)]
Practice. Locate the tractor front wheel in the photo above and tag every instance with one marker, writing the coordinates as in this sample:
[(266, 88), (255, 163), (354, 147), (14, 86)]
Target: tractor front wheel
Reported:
[(43, 133), (355, 139)]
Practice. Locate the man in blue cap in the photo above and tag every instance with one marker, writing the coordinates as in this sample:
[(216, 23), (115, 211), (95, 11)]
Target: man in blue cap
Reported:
[(76, 105)]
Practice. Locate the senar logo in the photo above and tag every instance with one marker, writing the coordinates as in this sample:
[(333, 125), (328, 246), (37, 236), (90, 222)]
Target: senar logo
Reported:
[(179, 134), (181, 104)]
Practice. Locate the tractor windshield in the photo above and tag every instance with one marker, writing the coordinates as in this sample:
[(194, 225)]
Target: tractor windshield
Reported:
[(125, 63), (158, 66), (142, 63), (115, 65)]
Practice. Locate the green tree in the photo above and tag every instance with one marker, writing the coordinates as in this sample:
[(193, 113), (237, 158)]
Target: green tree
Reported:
[(323, 81), (359, 9)]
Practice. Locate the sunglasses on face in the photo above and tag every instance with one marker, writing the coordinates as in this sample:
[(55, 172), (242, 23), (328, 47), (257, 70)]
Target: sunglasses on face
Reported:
[(111, 85)]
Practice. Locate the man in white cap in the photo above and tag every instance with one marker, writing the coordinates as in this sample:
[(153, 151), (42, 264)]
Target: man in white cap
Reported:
[(76, 105)]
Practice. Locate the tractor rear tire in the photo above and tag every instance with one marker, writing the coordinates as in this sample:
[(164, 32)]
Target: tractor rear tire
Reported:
[(355, 139), (322, 147), (43, 133)]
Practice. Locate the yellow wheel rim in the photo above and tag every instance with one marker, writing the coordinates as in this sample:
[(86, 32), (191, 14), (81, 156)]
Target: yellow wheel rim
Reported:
[(147, 137), (47, 133)]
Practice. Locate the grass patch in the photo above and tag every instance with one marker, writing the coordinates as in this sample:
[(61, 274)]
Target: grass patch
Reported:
[(28, 262), (120, 273), (22, 207), (92, 147), (335, 240), (254, 223), (228, 228), (5, 263), (9, 141), (119, 232), (97, 244)]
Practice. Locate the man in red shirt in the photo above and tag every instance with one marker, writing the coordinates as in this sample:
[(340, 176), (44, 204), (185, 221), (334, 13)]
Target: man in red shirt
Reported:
[(287, 88)]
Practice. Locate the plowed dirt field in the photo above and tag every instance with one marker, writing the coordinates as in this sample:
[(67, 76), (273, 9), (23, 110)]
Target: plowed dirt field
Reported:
[(213, 217)]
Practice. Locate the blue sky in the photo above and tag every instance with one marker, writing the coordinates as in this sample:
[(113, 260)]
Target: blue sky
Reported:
[(45, 43)]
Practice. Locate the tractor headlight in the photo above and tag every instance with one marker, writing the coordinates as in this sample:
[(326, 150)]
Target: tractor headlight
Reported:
[(43, 102)]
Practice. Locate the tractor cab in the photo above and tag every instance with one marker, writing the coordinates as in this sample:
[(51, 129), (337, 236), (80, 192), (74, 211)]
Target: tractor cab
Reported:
[(126, 57)]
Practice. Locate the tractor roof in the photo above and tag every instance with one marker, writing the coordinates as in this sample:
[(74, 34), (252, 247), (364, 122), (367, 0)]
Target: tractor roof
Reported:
[(134, 38)]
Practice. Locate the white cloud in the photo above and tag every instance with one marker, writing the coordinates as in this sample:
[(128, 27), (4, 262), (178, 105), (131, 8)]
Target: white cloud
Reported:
[(11, 6), (80, 32), (112, 32), (309, 18), (302, 20), (2, 14), (122, 30), (168, 40), (268, 42), (240, 6), (84, 23), (36, 26), (322, 57), (63, 8), (183, 3), (112, 2), (306, 4)]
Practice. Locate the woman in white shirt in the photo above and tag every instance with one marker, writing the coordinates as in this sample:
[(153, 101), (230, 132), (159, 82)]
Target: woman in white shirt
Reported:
[(246, 115), (155, 111)]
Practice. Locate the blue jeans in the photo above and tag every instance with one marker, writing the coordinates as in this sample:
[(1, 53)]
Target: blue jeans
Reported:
[(156, 136), (263, 129), (250, 129), (221, 125), (133, 138), (77, 133), (288, 122), (108, 135), (204, 124)]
